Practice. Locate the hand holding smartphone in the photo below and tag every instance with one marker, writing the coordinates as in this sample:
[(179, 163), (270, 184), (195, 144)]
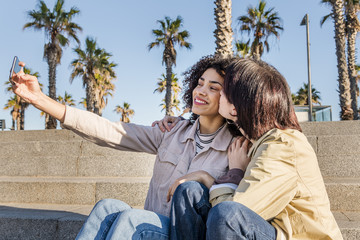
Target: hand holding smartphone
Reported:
[(15, 68)]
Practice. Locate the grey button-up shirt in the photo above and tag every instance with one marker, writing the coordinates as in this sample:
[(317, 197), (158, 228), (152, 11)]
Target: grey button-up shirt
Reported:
[(175, 150)]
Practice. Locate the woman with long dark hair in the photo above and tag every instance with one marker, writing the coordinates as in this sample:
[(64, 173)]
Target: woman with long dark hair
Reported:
[(281, 193)]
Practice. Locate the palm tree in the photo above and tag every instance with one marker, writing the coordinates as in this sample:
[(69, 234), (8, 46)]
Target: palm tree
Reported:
[(168, 35), (66, 100), (59, 29), (19, 112), (262, 24), (175, 89), (125, 111), (13, 104), (104, 87), (242, 49), (343, 74), (357, 69), (301, 97), (83, 102), (223, 32), (175, 104), (97, 72), (352, 28)]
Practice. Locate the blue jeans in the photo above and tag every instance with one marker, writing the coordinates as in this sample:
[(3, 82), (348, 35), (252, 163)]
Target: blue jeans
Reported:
[(189, 210), (194, 218), (232, 220), (114, 219)]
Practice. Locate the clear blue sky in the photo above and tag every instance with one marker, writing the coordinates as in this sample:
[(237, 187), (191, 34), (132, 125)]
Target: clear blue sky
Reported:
[(124, 29)]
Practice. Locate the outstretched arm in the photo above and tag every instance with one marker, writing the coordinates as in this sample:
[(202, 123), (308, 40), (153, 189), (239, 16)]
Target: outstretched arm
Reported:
[(27, 87)]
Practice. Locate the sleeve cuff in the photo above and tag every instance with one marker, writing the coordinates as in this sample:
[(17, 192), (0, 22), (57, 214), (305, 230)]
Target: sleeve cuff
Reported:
[(69, 119), (220, 191), (233, 176)]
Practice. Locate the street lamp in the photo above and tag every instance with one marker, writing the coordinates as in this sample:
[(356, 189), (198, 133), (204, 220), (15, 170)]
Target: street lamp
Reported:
[(305, 21)]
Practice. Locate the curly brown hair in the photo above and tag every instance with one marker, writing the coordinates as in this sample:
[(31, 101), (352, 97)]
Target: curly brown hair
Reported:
[(192, 76)]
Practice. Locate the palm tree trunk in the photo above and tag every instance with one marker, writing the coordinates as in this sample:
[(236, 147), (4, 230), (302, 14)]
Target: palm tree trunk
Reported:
[(22, 115), (223, 32), (168, 86), (13, 117), (344, 82), (352, 25), (256, 54), (352, 71), (97, 101), (90, 95), (17, 120), (51, 59)]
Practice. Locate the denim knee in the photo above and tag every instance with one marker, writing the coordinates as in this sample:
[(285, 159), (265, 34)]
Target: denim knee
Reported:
[(232, 220), (219, 213), (106, 202), (189, 188), (224, 211), (109, 205)]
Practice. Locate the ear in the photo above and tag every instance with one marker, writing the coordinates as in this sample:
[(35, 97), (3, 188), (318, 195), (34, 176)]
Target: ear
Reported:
[(233, 112)]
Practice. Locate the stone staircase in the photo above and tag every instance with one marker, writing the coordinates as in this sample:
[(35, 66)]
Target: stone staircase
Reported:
[(337, 145), (50, 180)]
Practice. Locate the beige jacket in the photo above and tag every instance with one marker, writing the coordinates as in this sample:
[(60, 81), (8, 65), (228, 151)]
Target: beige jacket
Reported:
[(283, 184), (175, 150)]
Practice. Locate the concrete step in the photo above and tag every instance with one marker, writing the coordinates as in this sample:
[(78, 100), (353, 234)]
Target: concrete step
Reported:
[(37, 221), (65, 190), (82, 158), (349, 223), (338, 144), (331, 128), (327, 145), (28, 149), (38, 135), (309, 129), (341, 166), (344, 193), (62, 153), (92, 163)]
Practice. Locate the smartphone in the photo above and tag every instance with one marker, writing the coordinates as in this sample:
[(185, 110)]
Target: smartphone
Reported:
[(15, 68)]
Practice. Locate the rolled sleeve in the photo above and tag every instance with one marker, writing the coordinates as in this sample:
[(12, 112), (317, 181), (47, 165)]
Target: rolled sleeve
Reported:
[(221, 194)]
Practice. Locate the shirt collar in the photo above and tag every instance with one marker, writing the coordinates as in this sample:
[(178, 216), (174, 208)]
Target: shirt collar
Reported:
[(220, 142)]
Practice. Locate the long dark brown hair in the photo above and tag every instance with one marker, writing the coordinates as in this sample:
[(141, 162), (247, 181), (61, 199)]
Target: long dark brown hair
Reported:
[(261, 97)]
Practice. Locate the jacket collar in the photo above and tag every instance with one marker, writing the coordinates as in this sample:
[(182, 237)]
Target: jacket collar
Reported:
[(220, 142), (256, 144)]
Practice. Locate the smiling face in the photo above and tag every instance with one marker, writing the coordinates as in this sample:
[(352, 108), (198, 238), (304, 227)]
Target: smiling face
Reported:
[(207, 94)]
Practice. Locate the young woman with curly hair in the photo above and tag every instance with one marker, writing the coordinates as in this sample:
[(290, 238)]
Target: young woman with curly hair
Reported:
[(196, 150)]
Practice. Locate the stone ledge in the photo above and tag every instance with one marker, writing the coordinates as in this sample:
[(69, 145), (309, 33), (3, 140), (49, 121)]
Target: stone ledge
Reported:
[(37, 221), (65, 190)]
